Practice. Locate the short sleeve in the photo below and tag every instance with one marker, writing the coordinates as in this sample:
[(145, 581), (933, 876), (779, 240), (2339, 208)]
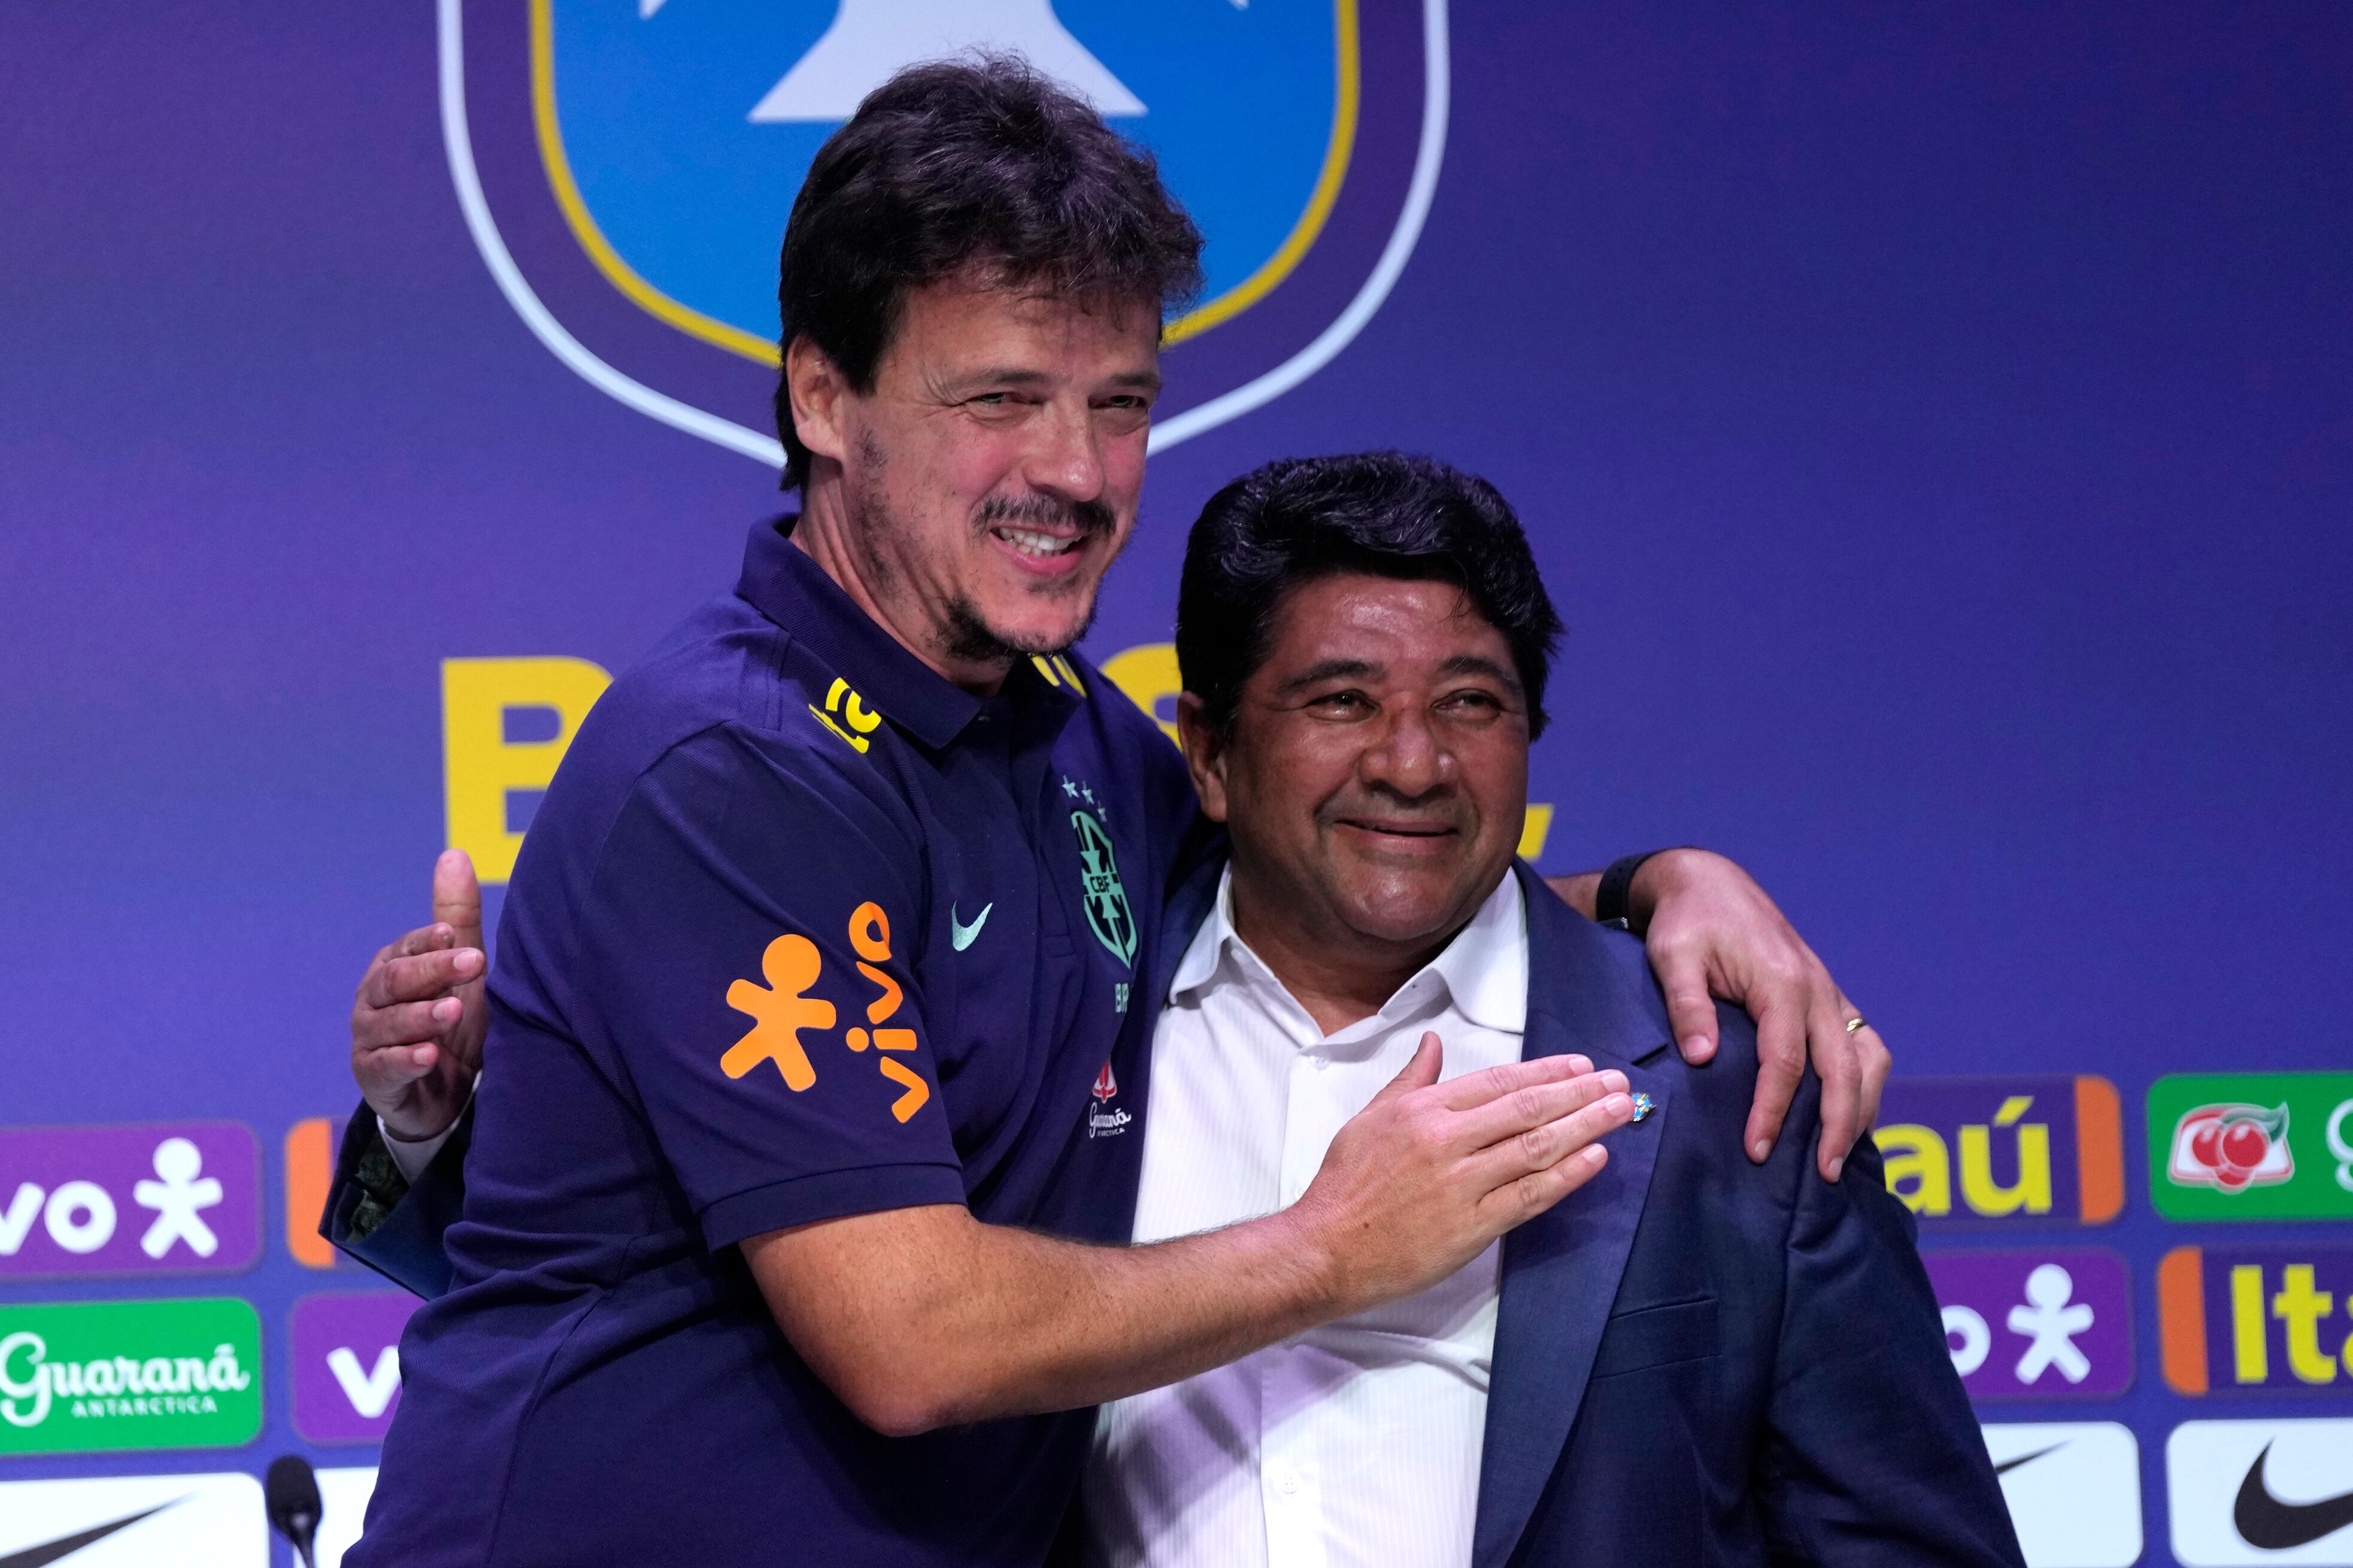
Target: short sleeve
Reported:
[(748, 937)]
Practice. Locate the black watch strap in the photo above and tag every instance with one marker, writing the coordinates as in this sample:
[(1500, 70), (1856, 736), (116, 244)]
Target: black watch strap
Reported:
[(1616, 883)]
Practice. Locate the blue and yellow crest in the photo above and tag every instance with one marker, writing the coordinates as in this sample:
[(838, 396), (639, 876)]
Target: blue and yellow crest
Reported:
[(626, 167)]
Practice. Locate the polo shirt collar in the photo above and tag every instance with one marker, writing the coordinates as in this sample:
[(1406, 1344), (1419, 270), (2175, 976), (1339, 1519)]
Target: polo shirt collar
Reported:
[(1485, 969), (783, 583)]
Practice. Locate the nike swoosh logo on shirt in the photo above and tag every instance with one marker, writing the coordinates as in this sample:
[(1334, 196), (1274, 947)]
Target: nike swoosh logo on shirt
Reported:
[(65, 1546), (961, 934), (2271, 1525), (2009, 1465)]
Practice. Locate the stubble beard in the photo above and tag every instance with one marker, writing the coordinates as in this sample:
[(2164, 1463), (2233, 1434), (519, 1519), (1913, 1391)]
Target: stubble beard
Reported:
[(965, 635)]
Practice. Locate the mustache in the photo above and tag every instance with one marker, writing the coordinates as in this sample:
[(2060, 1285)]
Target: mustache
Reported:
[(1044, 512)]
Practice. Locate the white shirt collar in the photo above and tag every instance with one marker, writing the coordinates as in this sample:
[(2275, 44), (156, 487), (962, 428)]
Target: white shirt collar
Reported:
[(1485, 969)]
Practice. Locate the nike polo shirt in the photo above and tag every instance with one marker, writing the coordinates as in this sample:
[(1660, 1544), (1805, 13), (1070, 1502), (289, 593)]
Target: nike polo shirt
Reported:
[(801, 930)]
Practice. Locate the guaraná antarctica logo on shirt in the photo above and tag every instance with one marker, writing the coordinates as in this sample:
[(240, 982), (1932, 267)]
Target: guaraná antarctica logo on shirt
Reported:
[(2264, 1146), (2025, 1150), (1103, 1119), (93, 1376)]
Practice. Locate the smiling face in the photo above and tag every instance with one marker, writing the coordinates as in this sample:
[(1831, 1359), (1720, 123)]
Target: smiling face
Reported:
[(1377, 771), (972, 501)]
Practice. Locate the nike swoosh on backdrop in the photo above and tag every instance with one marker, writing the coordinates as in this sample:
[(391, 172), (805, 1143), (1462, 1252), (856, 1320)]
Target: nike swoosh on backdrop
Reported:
[(2009, 1465), (2271, 1525), (959, 933), (64, 1546)]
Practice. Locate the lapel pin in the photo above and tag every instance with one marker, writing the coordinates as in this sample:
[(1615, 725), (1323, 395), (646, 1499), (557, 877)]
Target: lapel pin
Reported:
[(1642, 1103)]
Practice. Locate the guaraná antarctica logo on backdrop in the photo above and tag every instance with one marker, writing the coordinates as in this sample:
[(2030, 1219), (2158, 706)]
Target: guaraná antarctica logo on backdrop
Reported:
[(626, 171), (142, 1198), (2029, 1149), (2258, 1146), (95, 1376)]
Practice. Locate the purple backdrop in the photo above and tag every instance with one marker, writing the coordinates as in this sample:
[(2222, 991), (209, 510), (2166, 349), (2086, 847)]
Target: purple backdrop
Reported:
[(1936, 423)]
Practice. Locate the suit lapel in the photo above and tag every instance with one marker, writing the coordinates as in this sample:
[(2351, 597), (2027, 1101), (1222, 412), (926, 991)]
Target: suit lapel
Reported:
[(1560, 1270)]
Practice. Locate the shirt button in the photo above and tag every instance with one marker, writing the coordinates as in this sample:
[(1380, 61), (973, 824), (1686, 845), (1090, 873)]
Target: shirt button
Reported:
[(1323, 1064), (1290, 1485)]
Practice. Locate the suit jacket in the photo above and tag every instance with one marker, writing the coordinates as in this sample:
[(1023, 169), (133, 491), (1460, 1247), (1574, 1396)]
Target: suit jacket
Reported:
[(1697, 1361)]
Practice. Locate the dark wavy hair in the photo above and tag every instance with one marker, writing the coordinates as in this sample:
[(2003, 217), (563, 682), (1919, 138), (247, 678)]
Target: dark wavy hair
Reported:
[(964, 162), (1301, 518)]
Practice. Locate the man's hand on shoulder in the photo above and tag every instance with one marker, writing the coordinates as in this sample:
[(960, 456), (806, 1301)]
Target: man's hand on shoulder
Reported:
[(419, 1019), (1710, 931)]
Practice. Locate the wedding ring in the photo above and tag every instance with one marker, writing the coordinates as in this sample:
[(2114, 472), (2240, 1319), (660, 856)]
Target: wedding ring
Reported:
[(1855, 1023)]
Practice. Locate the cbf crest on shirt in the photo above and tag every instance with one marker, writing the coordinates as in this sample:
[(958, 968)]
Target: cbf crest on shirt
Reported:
[(626, 167)]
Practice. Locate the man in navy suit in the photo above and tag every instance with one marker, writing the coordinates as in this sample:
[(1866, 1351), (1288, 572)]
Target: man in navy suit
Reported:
[(1690, 1361)]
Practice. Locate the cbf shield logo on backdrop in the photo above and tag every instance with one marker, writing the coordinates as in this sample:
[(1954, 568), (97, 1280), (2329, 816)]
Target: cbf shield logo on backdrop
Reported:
[(626, 167)]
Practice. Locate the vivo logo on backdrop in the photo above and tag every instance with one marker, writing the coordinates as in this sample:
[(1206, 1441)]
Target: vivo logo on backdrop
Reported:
[(346, 1350), (149, 1198), (2046, 1324)]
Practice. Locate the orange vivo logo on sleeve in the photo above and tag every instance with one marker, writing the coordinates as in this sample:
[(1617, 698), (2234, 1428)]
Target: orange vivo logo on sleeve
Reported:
[(783, 1008), (781, 1011), (870, 933)]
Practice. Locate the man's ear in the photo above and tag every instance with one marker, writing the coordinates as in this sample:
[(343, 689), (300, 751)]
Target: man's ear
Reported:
[(818, 390), (1205, 754)]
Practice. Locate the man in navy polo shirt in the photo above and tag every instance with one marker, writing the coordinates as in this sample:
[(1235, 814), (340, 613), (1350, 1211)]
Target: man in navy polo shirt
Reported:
[(817, 1016)]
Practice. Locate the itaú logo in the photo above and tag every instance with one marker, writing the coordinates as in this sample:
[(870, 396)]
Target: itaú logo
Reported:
[(30, 1383)]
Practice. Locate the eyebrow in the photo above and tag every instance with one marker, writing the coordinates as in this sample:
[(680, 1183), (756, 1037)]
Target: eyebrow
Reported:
[(1012, 375), (1480, 664), (1316, 674)]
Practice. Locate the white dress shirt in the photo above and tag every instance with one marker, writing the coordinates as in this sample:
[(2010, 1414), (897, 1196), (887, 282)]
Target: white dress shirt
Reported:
[(1356, 1445)]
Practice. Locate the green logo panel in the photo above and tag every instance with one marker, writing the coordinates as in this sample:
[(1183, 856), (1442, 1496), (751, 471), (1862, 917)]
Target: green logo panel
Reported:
[(89, 1378), (2277, 1145)]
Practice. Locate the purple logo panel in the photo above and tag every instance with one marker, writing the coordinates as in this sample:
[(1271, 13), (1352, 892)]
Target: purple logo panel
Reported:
[(1971, 1150), (2048, 1323), (165, 1197), (347, 1364)]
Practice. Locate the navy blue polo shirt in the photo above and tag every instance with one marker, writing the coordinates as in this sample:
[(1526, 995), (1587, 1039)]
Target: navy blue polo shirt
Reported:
[(801, 931)]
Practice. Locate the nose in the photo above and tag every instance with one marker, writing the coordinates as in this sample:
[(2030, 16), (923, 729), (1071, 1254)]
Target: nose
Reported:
[(1065, 459), (1407, 757)]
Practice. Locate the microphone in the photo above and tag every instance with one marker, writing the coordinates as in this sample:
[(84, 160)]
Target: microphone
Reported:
[(292, 1494)]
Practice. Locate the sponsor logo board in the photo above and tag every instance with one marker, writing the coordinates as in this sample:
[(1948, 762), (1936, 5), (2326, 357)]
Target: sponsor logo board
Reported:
[(346, 1350), (2043, 1324), (135, 1521), (2277, 1145), (142, 1198), (99, 1376), (2261, 1491), (311, 1146), (2074, 1490), (2257, 1319), (2029, 1149), (343, 1493)]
